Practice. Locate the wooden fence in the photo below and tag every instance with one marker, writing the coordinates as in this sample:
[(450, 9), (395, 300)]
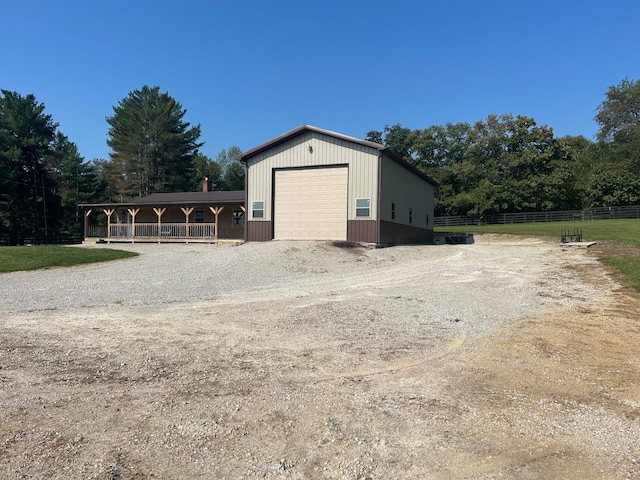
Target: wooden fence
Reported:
[(603, 213), (12, 240)]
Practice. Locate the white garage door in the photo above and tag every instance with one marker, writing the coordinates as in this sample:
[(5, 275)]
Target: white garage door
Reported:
[(311, 204)]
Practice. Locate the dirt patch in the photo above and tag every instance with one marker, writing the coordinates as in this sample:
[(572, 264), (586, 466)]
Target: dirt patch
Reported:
[(610, 249), (505, 359)]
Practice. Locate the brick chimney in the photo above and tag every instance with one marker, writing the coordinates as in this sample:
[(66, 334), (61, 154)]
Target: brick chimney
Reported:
[(206, 185)]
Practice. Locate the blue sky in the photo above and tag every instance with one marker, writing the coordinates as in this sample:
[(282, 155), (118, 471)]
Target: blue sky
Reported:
[(249, 70)]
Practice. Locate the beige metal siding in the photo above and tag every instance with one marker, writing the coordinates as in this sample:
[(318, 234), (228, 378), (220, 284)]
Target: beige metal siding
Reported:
[(325, 150), (311, 204), (408, 192)]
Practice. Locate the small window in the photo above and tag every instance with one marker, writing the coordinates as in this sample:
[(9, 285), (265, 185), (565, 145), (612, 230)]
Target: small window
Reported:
[(258, 210), (393, 211), (363, 207), (199, 216), (238, 216), (410, 215), (427, 219)]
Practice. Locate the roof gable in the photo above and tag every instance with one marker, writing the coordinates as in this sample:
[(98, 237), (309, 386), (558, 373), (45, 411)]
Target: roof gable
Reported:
[(285, 137)]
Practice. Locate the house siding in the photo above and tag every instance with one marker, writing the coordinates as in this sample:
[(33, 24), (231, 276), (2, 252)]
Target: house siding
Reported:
[(326, 151), (412, 197), (396, 233)]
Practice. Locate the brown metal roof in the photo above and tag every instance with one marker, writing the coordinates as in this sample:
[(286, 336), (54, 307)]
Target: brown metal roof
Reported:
[(244, 157), (235, 197)]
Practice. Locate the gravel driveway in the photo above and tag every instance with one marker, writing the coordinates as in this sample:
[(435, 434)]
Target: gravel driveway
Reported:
[(310, 360), (479, 281)]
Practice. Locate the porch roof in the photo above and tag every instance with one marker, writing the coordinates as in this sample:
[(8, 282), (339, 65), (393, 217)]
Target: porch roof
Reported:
[(177, 199)]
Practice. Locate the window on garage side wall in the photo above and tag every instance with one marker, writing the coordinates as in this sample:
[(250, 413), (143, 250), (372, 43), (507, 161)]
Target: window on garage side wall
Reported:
[(257, 210), (363, 207)]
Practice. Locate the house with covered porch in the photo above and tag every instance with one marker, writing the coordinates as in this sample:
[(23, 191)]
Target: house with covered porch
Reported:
[(306, 184), (206, 216)]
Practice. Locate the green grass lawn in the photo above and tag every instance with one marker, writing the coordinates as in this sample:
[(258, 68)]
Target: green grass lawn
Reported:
[(629, 267), (618, 231), (42, 256), (622, 232)]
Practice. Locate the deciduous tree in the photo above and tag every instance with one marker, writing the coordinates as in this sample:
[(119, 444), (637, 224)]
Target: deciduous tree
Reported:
[(206, 167), (619, 120), (232, 171), (399, 139), (234, 177), (619, 113)]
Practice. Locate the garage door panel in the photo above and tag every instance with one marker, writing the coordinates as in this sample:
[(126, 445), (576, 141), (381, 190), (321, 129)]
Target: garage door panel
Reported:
[(311, 204)]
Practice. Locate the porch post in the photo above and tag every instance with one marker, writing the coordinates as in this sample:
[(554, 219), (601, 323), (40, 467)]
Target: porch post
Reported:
[(216, 211), (159, 213), (187, 211), (108, 212), (133, 212), (87, 212)]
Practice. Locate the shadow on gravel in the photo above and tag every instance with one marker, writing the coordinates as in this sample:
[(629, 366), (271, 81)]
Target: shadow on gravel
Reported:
[(346, 245)]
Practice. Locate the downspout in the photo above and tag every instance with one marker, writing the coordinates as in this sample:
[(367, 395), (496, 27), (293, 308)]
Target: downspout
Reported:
[(378, 199)]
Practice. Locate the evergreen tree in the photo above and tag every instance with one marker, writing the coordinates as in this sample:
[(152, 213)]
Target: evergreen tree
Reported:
[(75, 182), (152, 147), (28, 203)]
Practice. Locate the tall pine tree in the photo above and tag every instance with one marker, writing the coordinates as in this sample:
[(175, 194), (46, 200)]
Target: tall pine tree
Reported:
[(28, 204), (152, 147)]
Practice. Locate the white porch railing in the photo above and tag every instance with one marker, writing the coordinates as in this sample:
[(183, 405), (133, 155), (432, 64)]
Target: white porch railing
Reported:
[(166, 231), (96, 231)]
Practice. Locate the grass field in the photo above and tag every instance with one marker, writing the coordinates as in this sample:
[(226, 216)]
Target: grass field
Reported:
[(43, 256), (618, 231), (621, 232)]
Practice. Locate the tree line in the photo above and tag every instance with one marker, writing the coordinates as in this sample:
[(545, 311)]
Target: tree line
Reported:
[(43, 177), (500, 164), (507, 163)]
